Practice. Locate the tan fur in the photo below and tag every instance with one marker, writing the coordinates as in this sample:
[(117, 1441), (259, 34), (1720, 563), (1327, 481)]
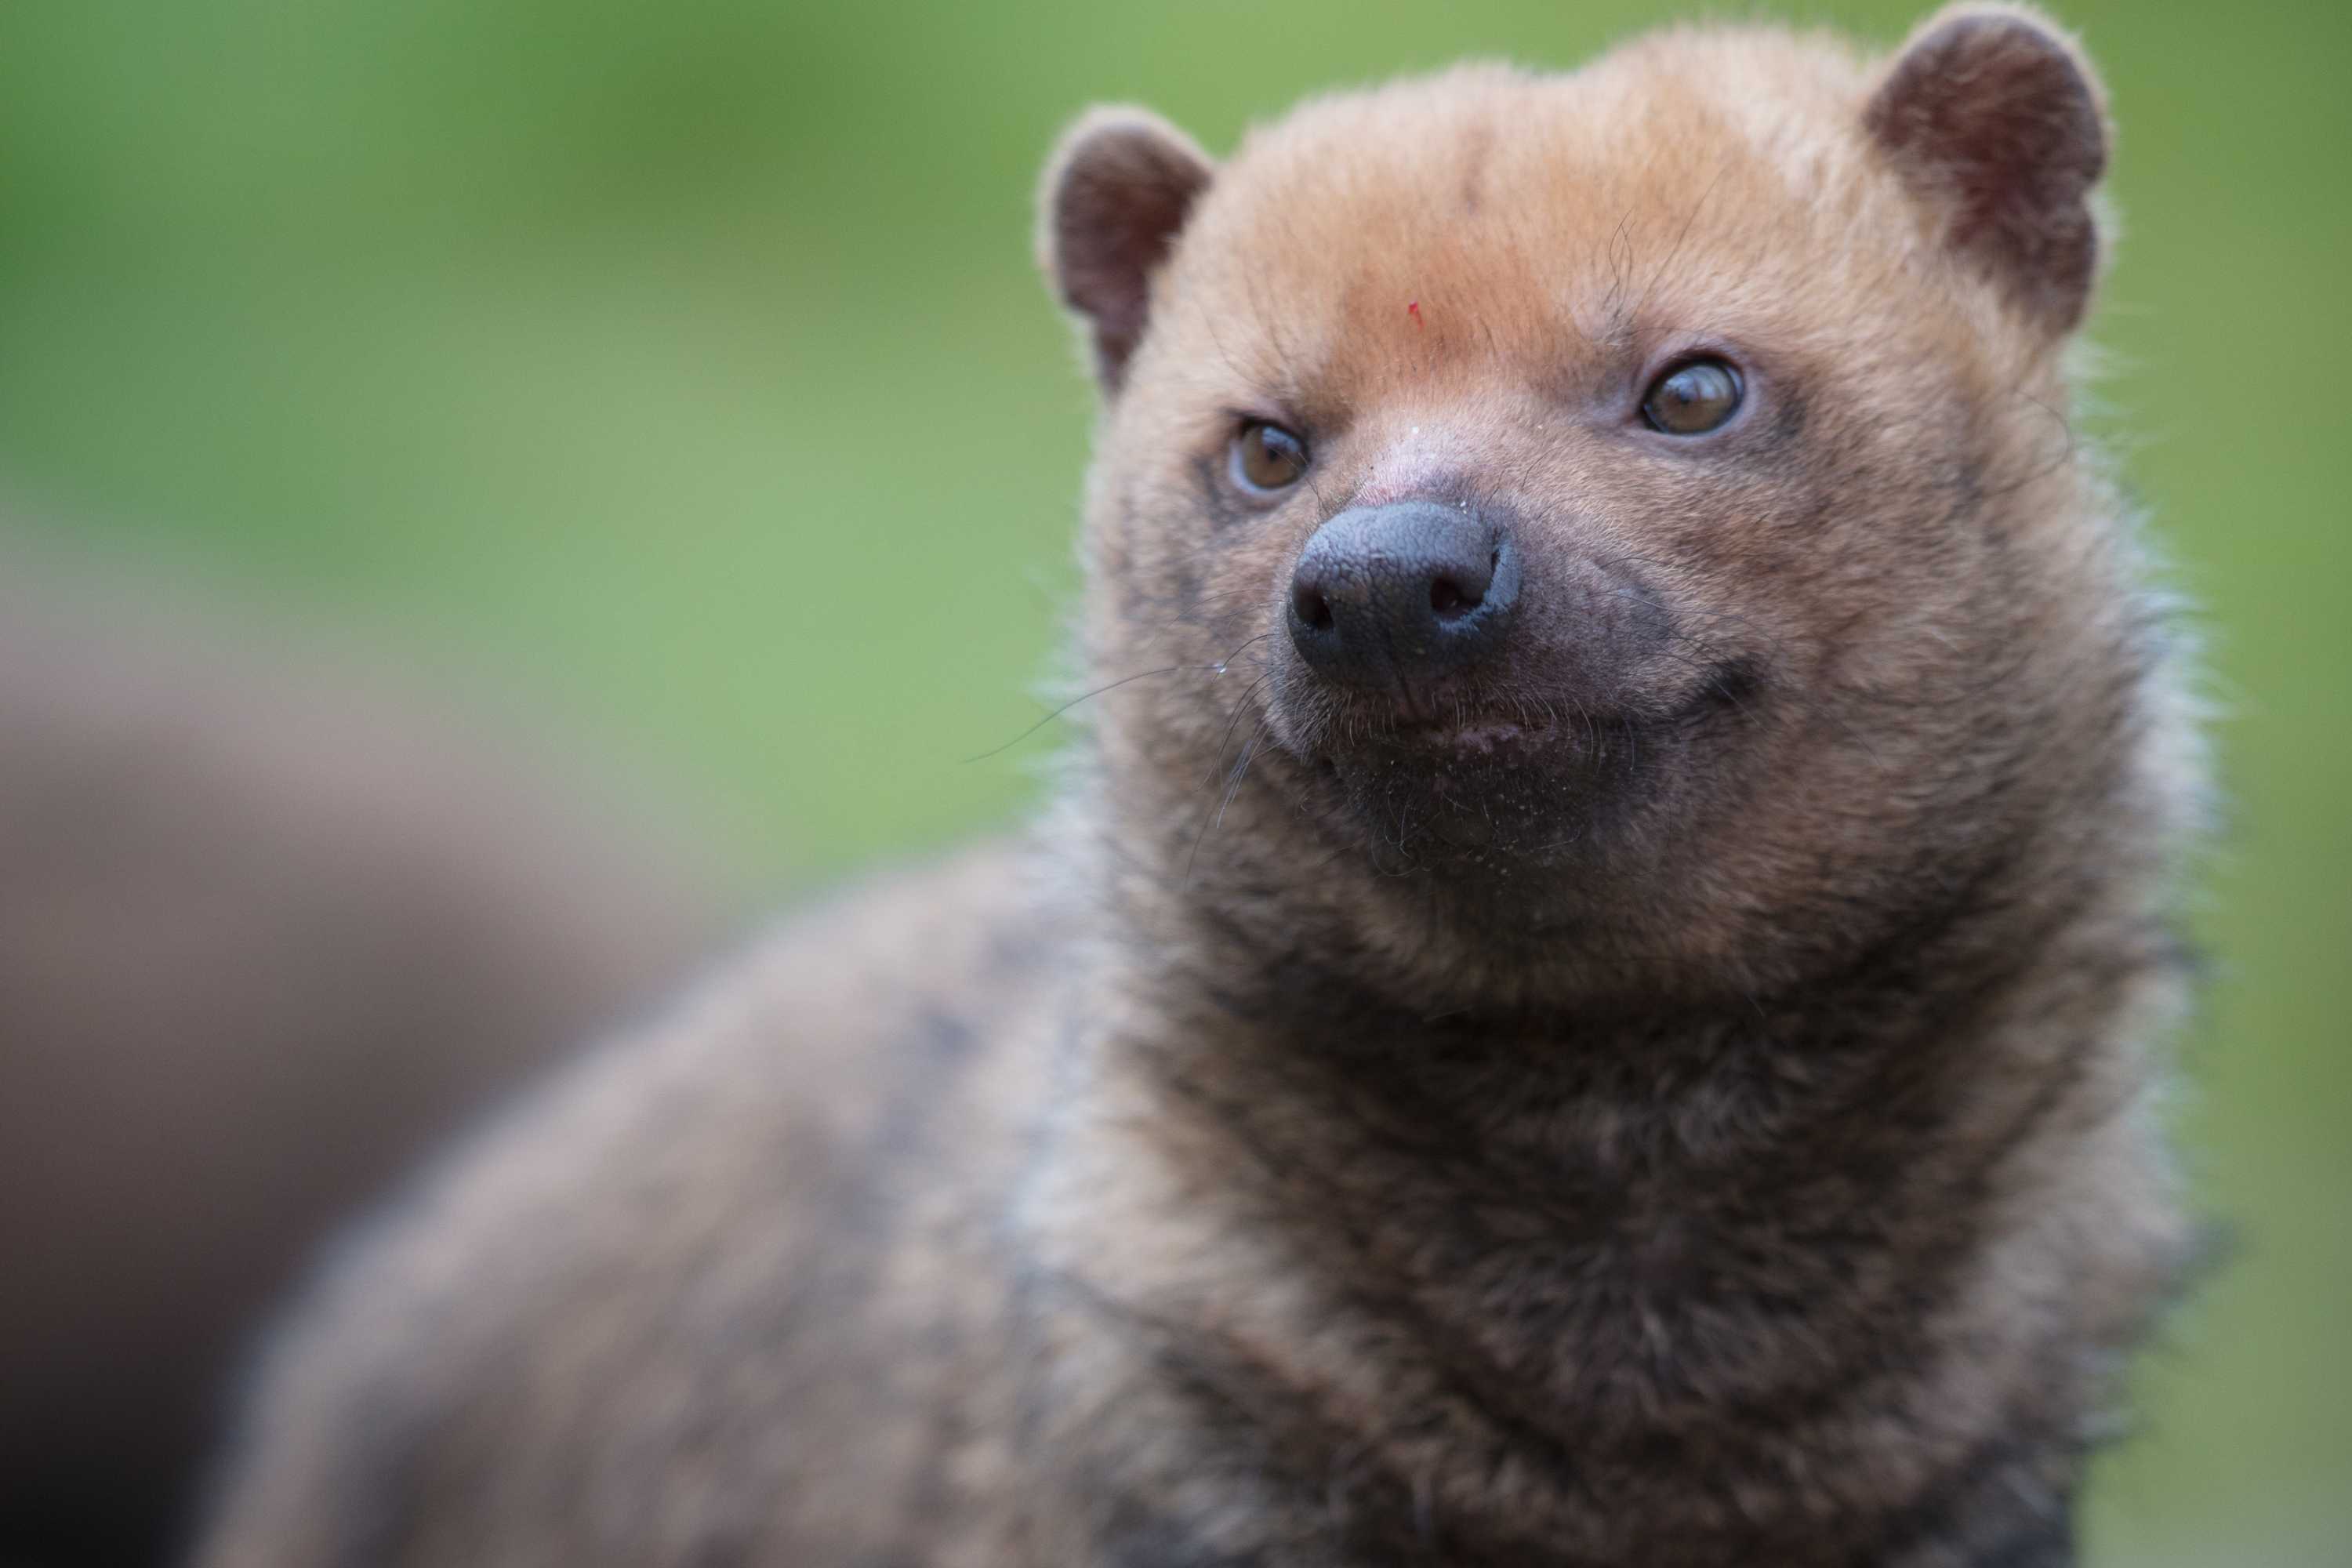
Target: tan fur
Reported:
[(1696, 1112)]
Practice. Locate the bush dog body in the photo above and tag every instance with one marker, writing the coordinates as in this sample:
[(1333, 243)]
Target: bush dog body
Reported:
[(1597, 1007)]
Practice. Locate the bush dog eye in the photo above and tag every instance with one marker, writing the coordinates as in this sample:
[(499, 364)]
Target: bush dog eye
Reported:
[(1694, 398), (1266, 459)]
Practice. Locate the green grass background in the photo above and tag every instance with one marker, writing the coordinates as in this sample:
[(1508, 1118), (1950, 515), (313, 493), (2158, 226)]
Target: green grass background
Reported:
[(684, 363)]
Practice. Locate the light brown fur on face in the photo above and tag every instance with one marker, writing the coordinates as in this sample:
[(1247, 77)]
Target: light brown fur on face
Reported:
[(1832, 571), (1645, 1057)]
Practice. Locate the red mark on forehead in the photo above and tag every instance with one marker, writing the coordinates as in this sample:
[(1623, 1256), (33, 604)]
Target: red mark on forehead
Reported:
[(1413, 309)]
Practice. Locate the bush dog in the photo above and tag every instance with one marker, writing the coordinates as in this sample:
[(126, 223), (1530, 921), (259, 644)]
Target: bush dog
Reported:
[(1593, 993)]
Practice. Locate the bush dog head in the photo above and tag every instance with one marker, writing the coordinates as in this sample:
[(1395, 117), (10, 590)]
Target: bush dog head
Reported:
[(1611, 531)]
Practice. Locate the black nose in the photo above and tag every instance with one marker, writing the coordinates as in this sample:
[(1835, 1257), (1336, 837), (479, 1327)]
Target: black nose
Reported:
[(1413, 590)]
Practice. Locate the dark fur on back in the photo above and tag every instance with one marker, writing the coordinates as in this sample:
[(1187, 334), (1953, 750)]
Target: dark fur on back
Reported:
[(1681, 1093)]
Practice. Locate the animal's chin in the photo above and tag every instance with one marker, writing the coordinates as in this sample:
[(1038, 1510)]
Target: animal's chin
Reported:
[(1487, 795), (1474, 737), (1478, 790)]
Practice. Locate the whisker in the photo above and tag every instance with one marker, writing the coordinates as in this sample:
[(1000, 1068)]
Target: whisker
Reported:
[(1233, 788), (1089, 696), (1220, 668), (1233, 722), (1241, 771)]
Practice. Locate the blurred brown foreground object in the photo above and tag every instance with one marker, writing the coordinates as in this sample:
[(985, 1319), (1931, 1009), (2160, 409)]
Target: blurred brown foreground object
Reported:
[(269, 925)]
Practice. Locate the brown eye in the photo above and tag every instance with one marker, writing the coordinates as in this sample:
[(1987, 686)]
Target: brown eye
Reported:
[(1693, 398), (1267, 459)]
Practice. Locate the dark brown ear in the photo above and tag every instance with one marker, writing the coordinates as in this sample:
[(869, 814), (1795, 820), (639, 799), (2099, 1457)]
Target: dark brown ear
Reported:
[(1114, 196), (1994, 119)]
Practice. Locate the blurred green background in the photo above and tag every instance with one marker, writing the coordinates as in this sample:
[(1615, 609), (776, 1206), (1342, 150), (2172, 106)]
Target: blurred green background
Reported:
[(683, 364)]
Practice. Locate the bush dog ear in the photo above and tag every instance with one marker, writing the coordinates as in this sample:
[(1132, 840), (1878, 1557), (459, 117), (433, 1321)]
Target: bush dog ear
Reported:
[(1115, 195), (1996, 120)]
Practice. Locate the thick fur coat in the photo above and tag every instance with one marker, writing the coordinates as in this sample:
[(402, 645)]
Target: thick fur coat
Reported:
[(1671, 1085)]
